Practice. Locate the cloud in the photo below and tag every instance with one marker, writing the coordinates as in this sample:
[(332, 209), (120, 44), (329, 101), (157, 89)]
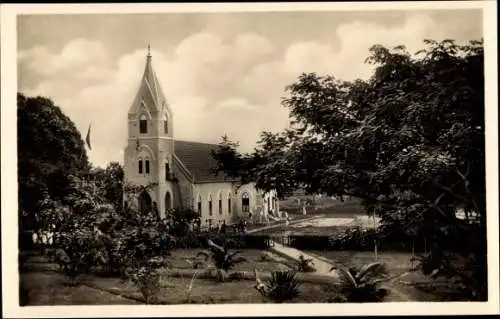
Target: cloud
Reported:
[(215, 85), (235, 105), (74, 56)]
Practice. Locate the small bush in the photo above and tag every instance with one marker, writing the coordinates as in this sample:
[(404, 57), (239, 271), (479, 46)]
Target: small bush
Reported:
[(305, 264), (265, 256), (362, 285), (147, 281), (221, 259), (282, 286)]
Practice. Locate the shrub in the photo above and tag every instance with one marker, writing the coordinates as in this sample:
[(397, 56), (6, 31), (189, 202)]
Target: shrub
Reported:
[(309, 242), (147, 281), (221, 258), (305, 264), (265, 256), (363, 285), (281, 287)]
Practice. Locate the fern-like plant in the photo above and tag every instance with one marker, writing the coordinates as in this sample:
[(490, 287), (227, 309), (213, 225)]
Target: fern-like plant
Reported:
[(221, 258), (281, 287), (363, 285)]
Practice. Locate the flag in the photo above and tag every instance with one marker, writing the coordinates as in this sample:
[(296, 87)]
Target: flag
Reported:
[(87, 139)]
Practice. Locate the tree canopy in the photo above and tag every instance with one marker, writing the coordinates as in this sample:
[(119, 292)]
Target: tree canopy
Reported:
[(409, 142), (50, 148)]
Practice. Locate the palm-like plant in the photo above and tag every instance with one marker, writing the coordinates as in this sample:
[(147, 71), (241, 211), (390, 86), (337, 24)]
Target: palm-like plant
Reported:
[(305, 264), (281, 287), (363, 285), (222, 259)]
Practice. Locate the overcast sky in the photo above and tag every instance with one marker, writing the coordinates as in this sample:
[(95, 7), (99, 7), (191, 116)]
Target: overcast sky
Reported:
[(221, 72)]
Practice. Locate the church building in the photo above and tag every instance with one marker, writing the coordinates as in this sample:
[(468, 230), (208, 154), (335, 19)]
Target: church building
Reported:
[(182, 171)]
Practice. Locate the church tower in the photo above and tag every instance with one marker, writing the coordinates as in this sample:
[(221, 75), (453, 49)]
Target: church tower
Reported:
[(149, 152)]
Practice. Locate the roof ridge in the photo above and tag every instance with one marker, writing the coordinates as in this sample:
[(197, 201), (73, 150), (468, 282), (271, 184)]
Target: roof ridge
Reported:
[(196, 142)]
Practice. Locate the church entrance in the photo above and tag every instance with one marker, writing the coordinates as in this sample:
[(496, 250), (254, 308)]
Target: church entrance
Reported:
[(168, 201), (145, 202)]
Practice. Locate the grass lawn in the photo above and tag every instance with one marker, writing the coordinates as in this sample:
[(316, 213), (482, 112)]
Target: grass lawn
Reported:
[(330, 208), (52, 289), (49, 288), (397, 263)]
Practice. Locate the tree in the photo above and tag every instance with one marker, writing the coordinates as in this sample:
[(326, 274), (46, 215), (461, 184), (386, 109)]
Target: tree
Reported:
[(409, 142), (110, 181), (49, 149)]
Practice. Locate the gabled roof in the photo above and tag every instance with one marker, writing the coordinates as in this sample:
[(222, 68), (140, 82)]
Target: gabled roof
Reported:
[(198, 159), (150, 90)]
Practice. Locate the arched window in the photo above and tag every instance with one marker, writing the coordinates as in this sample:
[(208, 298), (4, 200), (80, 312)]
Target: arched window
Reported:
[(165, 125), (140, 166), (147, 166), (199, 205), (245, 202), (143, 124), (229, 203), (209, 205), (220, 204), (167, 171)]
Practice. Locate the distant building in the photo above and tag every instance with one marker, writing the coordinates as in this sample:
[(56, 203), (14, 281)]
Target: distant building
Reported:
[(182, 170)]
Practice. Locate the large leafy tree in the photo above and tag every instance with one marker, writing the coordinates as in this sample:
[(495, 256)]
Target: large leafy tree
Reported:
[(50, 148), (111, 183), (409, 141)]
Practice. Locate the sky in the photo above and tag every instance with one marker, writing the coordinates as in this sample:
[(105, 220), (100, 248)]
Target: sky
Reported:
[(222, 73)]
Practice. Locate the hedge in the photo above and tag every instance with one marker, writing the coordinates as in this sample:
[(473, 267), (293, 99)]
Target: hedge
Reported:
[(234, 241)]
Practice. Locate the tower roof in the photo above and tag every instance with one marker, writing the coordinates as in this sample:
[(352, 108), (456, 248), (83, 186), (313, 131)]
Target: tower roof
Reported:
[(149, 89)]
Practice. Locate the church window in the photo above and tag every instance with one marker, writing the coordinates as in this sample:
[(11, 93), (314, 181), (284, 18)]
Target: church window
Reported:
[(147, 167), (167, 171), (245, 202), (165, 126), (199, 206), (210, 205), (220, 204), (140, 166), (143, 124)]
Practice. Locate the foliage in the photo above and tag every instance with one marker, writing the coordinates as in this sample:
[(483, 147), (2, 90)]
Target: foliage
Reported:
[(408, 141), (93, 233), (111, 183), (305, 264), (362, 285), (281, 287), (222, 259), (42, 126), (147, 281), (353, 238), (179, 221), (265, 256)]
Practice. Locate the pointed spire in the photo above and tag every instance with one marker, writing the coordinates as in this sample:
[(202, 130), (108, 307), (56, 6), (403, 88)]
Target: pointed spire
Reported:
[(149, 90)]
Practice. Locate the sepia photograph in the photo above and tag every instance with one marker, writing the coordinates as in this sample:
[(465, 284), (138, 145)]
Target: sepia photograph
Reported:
[(249, 158)]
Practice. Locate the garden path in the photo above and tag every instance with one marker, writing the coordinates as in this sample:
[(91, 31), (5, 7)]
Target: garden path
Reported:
[(322, 267)]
